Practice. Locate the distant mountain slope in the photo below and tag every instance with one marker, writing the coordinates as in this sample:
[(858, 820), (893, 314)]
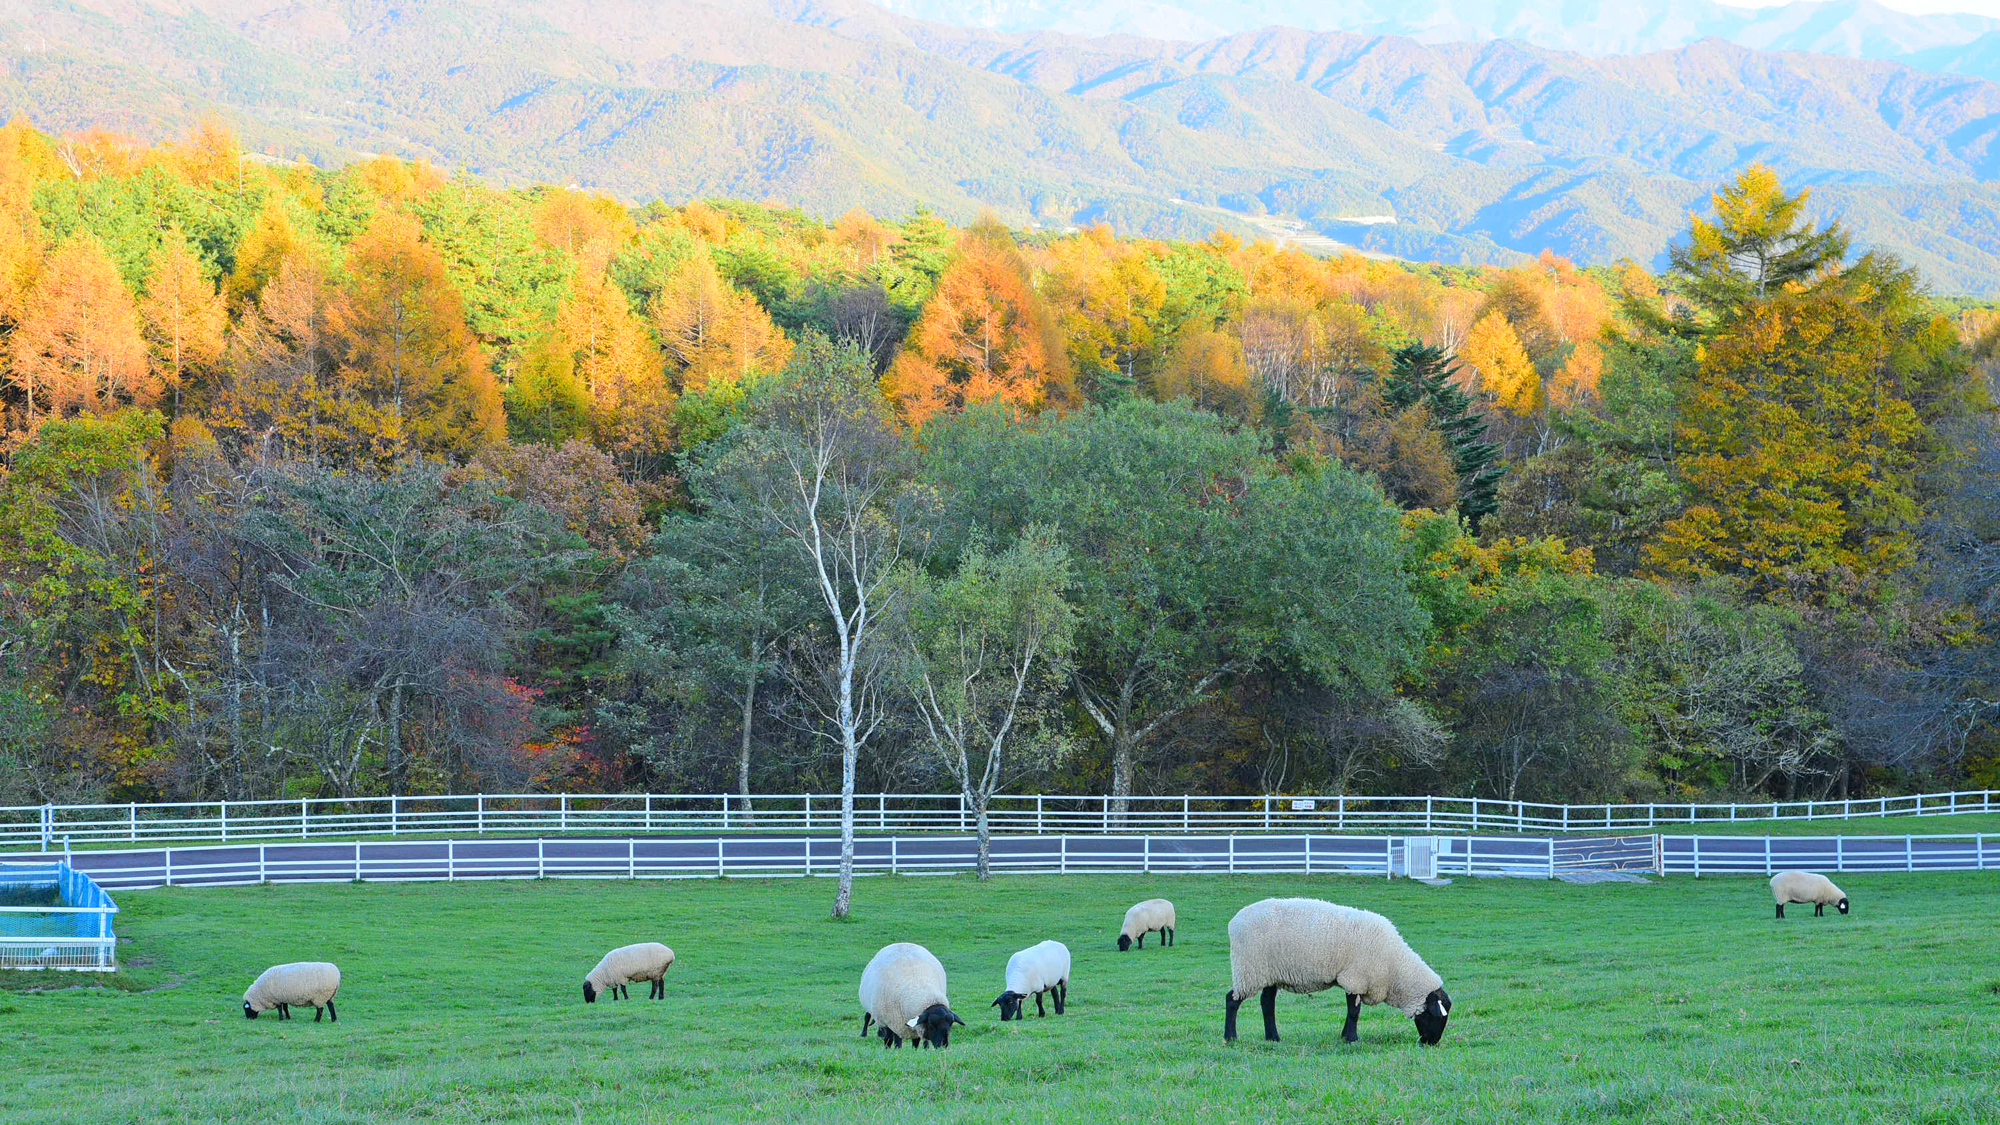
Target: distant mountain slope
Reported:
[(1849, 28), (1482, 151)]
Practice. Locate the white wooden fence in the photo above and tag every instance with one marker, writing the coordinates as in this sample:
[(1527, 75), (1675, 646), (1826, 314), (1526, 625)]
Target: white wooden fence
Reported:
[(48, 826)]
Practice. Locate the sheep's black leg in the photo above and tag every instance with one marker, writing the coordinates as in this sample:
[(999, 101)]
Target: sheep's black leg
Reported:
[(1819, 910), (1781, 910), (1062, 994), (1270, 1001), (1039, 1013), (659, 990), (1170, 935), (332, 1016), (317, 1013), (1142, 941), (1352, 1031), (1230, 1002)]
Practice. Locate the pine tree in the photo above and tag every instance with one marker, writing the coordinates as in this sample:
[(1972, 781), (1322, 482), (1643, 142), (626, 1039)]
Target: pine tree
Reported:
[(1421, 373)]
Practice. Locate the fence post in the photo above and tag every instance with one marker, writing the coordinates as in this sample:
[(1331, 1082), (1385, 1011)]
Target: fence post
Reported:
[(395, 822), (1145, 855), (1308, 840), (1232, 855), (565, 812), (725, 812), (1909, 853), (961, 812), (133, 812), (1429, 808), (1062, 855), (808, 842), (1388, 857), (1839, 853), (541, 864), (481, 811), (450, 861), (1767, 855), (1550, 842), (222, 813), (1105, 825), (262, 875), (1565, 818), (48, 826), (1187, 814), (1038, 814), (1695, 842), (719, 870), (1267, 812), (169, 853), (357, 861), (305, 822)]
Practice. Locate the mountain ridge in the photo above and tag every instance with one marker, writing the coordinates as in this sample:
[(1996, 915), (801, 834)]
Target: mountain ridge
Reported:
[(1484, 151)]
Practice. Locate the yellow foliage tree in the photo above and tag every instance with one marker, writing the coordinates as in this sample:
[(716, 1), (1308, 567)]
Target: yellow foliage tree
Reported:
[(616, 364), (266, 244), (411, 375), (585, 226), (1207, 368), (185, 317), (712, 331), (1494, 354)]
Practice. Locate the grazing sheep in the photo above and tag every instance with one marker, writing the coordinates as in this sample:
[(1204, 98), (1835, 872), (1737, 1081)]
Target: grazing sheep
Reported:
[(648, 960), (1805, 886), (1306, 945), (1144, 918), (1043, 967), (309, 984), (902, 989)]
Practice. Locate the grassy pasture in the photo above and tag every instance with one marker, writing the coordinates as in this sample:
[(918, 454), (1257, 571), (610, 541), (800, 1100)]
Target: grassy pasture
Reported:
[(1680, 1000)]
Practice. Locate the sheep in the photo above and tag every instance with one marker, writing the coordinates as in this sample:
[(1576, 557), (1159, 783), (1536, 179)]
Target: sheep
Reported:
[(309, 984), (1306, 945), (648, 960), (903, 990), (1805, 886), (1043, 967), (1144, 918)]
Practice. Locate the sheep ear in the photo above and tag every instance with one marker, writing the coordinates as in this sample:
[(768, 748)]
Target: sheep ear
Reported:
[(913, 1022)]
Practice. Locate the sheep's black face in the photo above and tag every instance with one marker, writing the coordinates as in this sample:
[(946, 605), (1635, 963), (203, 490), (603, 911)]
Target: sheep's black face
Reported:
[(936, 1023), (1842, 904), (589, 993), (1430, 1021), (249, 1013), (1124, 942), (1009, 1004)]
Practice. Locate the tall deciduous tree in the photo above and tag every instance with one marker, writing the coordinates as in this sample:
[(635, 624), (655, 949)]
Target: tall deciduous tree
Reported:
[(78, 346), (713, 331), (1195, 560), (411, 374), (984, 335), (826, 473), (986, 648), (185, 316)]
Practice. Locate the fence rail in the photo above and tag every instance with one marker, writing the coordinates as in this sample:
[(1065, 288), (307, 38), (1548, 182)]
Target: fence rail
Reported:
[(71, 929), (48, 826), (778, 856)]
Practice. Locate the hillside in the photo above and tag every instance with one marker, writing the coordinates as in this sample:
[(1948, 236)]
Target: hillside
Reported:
[(1483, 151)]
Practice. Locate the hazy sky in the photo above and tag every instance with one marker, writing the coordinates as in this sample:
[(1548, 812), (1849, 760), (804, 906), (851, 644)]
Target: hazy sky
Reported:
[(1977, 7)]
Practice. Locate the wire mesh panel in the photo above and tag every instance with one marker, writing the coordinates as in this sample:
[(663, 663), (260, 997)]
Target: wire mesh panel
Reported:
[(53, 916)]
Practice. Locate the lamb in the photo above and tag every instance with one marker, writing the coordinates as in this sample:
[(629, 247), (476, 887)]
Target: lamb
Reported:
[(1306, 945), (1805, 886), (648, 960), (1043, 967), (902, 989), (1144, 918), (309, 984)]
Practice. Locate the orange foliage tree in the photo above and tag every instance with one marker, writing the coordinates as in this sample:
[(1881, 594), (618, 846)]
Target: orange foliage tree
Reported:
[(185, 317), (713, 331), (78, 346), (984, 335)]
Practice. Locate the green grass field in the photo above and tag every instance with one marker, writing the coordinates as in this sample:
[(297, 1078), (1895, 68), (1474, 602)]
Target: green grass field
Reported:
[(1674, 1001)]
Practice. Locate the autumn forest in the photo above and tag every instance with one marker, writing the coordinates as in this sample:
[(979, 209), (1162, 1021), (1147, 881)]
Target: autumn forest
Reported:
[(382, 479)]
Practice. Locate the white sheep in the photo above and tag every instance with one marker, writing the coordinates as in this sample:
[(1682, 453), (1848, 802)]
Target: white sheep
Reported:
[(1306, 945), (1144, 918), (648, 960), (1805, 886), (308, 984), (1043, 967), (903, 990)]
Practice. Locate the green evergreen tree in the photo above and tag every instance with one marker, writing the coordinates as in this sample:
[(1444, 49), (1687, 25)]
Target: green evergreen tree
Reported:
[(1422, 373)]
